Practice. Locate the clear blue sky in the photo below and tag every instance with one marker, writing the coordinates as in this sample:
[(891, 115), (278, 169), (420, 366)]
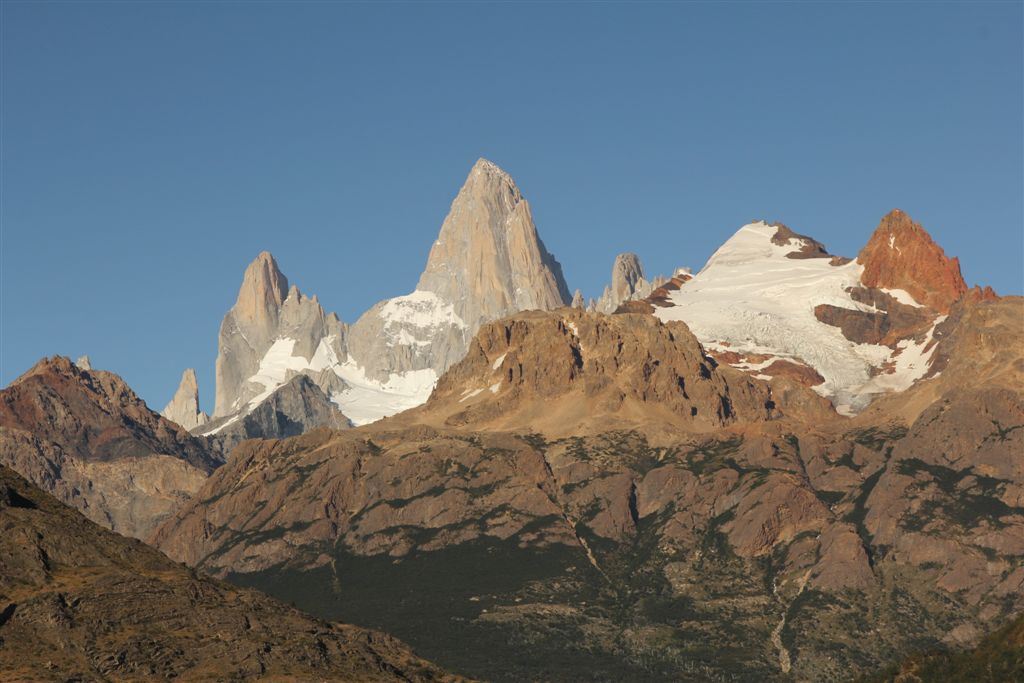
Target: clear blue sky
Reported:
[(151, 150)]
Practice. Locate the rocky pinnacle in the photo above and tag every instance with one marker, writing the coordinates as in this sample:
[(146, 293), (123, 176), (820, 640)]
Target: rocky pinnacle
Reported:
[(488, 259), (184, 407), (902, 255), (247, 329)]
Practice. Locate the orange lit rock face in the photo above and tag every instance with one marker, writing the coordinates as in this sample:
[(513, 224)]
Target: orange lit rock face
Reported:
[(977, 293), (901, 255)]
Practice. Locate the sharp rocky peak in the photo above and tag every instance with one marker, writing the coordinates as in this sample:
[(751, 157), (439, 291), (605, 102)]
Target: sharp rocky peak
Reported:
[(487, 262), (629, 283), (267, 310), (902, 255), (491, 172), (264, 288), (184, 406), (626, 273), (488, 259)]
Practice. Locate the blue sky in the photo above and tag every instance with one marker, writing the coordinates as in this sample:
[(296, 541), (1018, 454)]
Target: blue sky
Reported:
[(151, 150)]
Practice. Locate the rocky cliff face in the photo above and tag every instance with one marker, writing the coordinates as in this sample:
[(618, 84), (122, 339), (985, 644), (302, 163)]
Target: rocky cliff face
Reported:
[(247, 330), (488, 262), (901, 255), (85, 437), (184, 406), (297, 406), (268, 312), (572, 372), (80, 603)]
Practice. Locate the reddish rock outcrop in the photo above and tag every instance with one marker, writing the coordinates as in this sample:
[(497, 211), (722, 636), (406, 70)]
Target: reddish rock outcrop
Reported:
[(809, 248), (801, 374), (578, 369), (660, 296), (862, 327), (93, 415), (87, 438), (978, 293), (902, 255)]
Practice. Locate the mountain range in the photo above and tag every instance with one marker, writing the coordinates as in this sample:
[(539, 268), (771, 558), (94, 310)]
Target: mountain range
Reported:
[(788, 466), (768, 300)]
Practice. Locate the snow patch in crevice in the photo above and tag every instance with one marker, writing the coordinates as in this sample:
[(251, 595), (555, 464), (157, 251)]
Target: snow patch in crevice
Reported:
[(468, 394), (498, 361), (903, 296), (909, 362), (235, 418), (756, 366)]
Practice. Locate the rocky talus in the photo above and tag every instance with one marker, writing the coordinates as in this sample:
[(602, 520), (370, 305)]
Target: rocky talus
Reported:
[(79, 603), (84, 436), (184, 406), (566, 522)]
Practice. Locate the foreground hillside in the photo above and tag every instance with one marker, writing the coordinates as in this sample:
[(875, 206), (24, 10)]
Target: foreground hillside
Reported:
[(79, 603), (590, 493), (999, 657)]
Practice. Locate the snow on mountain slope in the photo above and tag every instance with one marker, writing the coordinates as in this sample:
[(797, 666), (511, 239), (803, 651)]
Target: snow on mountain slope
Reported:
[(420, 309), (360, 398), (754, 297), (488, 262), (367, 400)]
